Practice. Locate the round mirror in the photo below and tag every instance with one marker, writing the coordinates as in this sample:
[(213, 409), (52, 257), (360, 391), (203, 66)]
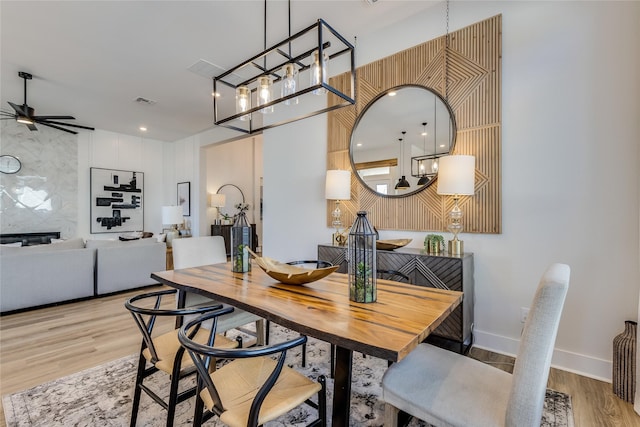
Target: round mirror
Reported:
[(233, 196), (398, 138)]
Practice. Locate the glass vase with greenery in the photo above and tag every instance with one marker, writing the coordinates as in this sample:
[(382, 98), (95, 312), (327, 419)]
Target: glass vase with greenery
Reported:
[(361, 257)]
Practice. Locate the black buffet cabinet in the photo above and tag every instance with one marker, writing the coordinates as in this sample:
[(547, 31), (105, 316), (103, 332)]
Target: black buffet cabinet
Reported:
[(444, 271), (225, 231)]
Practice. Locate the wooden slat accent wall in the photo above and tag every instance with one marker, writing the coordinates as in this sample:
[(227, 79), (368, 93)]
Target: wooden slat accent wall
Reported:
[(474, 93)]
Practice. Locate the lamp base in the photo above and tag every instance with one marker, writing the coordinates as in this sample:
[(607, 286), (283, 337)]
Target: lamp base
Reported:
[(456, 247), (174, 234)]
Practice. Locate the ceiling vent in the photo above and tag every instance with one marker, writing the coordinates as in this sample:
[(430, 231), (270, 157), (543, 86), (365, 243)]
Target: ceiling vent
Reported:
[(371, 2), (144, 101)]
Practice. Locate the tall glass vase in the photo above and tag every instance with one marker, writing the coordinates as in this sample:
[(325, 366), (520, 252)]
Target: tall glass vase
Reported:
[(240, 244), (361, 256)]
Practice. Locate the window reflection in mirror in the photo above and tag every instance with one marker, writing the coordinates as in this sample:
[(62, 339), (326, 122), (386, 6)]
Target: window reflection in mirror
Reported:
[(401, 135)]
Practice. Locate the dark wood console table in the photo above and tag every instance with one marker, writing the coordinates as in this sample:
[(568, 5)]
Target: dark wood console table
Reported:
[(442, 271), (225, 231)]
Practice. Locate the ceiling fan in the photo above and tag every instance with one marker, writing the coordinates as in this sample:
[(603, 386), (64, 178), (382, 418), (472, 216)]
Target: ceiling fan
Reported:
[(25, 114)]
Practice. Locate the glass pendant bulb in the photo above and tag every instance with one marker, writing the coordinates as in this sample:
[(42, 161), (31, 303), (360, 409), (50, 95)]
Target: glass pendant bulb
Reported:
[(289, 83), (319, 71), (264, 93), (434, 166), (243, 101)]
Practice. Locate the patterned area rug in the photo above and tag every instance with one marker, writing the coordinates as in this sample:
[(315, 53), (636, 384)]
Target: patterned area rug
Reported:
[(101, 396)]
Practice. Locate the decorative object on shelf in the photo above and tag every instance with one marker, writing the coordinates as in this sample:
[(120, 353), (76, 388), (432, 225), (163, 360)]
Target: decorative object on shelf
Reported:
[(184, 197), (172, 215), (391, 244), (361, 256), (10, 164), (624, 362), (434, 244), (292, 274), (456, 178), (217, 201), (271, 80), (117, 201), (240, 243), (338, 187)]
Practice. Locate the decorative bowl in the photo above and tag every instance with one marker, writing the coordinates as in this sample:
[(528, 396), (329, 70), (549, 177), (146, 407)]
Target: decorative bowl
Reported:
[(291, 274), (392, 244)]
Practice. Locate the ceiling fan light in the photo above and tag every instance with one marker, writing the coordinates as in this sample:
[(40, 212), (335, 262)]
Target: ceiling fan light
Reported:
[(24, 119)]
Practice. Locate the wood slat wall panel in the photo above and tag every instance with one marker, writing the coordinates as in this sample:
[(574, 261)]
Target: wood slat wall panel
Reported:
[(474, 93)]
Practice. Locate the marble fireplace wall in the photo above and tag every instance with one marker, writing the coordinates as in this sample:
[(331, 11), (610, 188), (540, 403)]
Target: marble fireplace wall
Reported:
[(42, 196)]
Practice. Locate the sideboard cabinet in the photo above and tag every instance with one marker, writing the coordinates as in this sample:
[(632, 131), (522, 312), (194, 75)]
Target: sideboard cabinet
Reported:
[(444, 271), (225, 232)]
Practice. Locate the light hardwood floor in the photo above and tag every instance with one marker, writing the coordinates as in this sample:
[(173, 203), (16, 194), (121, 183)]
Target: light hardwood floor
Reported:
[(42, 345)]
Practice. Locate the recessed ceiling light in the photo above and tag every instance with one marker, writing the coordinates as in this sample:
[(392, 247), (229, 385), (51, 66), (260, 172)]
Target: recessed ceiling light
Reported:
[(143, 129)]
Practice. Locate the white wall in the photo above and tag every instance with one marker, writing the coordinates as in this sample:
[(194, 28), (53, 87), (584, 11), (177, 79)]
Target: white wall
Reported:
[(570, 182), (238, 162), (109, 150)]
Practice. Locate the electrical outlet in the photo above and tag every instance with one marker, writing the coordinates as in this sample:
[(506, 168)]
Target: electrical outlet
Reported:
[(524, 312)]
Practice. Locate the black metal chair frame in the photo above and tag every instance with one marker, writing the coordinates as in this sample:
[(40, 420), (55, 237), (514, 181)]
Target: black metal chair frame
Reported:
[(204, 355), (146, 328)]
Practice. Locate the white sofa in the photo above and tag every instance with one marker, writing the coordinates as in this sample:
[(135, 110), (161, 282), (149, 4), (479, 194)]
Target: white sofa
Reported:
[(126, 265), (46, 274)]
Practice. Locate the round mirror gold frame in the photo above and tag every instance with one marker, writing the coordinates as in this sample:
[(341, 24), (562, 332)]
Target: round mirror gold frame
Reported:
[(388, 140)]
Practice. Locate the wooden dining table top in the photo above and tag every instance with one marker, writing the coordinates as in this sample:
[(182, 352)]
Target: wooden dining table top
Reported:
[(402, 317)]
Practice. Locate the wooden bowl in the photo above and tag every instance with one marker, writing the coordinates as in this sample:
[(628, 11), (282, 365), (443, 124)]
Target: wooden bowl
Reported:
[(290, 274), (392, 244)]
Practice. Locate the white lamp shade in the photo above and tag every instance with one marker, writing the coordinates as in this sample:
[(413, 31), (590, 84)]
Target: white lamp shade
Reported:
[(172, 215), (456, 175), (338, 185), (218, 200)]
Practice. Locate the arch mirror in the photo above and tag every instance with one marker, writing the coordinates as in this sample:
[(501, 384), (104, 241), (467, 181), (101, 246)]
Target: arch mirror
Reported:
[(398, 138)]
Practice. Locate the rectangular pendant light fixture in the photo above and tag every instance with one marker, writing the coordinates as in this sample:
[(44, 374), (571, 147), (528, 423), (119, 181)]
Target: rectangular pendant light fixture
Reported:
[(286, 83)]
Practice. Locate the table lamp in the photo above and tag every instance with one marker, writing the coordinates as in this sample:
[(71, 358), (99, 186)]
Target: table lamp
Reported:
[(172, 215), (338, 187), (218, 201), (456, 177)]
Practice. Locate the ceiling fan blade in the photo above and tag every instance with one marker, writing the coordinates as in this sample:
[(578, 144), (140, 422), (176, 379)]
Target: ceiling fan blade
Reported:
[(6, 113), (31, 127), (54, 117), (18, 109), (7, 118), (56, 127), (44, 122)]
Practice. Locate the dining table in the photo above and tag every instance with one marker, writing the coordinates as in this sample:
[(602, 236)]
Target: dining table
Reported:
[(402, 316)]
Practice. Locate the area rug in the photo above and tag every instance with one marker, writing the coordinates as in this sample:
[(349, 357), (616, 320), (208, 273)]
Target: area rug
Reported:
[(101, 396)]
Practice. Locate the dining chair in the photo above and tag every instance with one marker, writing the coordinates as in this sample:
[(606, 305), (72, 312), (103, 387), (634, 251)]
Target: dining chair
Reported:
[(250, 386), (448, 389), (163, 352), (394, 275), (198, 251)]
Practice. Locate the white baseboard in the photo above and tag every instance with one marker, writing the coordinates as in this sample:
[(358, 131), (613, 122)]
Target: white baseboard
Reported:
[(580, 364)]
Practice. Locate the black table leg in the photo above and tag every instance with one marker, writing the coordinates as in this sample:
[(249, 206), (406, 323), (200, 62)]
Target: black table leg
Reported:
[(342, 387)]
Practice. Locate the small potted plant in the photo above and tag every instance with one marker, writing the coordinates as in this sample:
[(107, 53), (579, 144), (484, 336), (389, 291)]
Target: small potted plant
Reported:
[(434, 243)]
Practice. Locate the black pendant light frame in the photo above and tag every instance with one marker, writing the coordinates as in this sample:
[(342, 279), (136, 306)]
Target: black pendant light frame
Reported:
[(231, 79)]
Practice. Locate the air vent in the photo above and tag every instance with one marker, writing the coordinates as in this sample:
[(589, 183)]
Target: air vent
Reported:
[(206, 69), (144, 101)]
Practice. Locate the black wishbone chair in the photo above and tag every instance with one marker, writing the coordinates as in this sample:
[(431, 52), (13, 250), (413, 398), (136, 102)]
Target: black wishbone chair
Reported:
[(164, 352), (254, 386)]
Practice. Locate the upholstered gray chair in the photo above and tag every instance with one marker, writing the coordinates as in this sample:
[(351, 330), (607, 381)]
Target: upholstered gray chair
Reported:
[(448, 389), (197, 251)]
